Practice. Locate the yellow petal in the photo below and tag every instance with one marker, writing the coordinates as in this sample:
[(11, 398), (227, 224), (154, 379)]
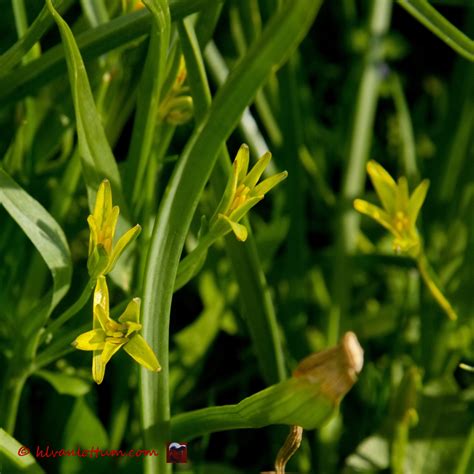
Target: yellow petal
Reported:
[(108, 228), (93, 233), (417, 199), (239, 230), (269, 183), (98, 367), (103, 318), (101, 295), (402, 195), (374, 212), (109, 350), (139, 350), (241, 162), (122, 244), (132, 312), (90, 341), (103, 202), (384, 185), (240, 211), (252, 178)]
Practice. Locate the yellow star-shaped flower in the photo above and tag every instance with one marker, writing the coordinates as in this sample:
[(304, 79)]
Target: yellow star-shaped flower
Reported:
[(108, 336), (400, 210), (103, 254), (242, 193)]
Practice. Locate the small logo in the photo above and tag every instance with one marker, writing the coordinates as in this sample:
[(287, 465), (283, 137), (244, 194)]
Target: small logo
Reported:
[(23, 451), (177, 453)]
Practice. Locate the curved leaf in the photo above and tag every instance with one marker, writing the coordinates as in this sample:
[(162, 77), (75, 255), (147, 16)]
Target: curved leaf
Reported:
[(42, 230)]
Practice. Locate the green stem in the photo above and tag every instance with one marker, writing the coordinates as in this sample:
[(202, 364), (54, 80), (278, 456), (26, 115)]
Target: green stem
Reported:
[(429, 277), (10, 400), (440, 26), (191, 264), (283, 33), (71, 311)]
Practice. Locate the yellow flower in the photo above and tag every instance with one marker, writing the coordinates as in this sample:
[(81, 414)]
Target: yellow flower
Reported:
[(242, 193), (400, 210), (108, 336), (102, 223)]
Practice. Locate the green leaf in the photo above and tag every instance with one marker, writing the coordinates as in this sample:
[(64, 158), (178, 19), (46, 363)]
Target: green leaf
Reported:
[(440, 26), (42, 230), (83, 430), (65, 384), (296, 401), (12, 461), (97, 158), (24, 80), (38, 28)]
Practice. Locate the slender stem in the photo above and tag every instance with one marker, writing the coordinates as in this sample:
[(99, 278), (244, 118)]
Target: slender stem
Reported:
[(429, 278), (71, 311), (190, 265), (440, 26), (10, 400)]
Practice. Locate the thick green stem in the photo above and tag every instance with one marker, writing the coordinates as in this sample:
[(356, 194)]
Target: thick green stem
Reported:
[(282, 34)]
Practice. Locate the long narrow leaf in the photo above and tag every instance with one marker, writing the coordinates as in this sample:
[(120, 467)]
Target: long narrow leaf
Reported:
[(98, 161), (283, 33), (17, 456), (42, 230)]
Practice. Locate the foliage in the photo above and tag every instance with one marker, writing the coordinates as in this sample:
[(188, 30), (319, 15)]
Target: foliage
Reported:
[(240, 274)]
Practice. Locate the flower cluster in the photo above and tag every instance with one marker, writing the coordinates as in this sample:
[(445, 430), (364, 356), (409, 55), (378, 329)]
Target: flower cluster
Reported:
[(242, 193), (107, 335), (400, 210)]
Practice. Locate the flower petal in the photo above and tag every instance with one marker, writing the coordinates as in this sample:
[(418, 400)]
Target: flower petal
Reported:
[(374, 212), (269, 183), (103, 203), (384, 185), (98, 367), (108, 228), (241, 163), (240, 212), (122, 244), (139, 350), (402, 195), (90, 341), (101, 295), (417, 199), (239, 230), (102, 317), (110, 349), (132, 312), (252, 178), (93, 233)]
